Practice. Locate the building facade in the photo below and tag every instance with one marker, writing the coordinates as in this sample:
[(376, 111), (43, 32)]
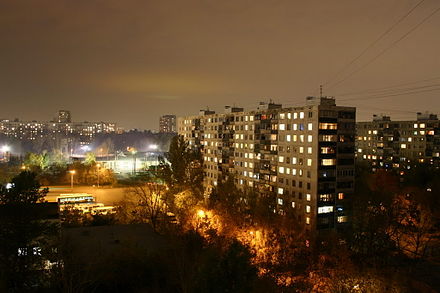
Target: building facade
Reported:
[(302, 156), (398, 144), (167, 124), (64, 116), (32, 130)]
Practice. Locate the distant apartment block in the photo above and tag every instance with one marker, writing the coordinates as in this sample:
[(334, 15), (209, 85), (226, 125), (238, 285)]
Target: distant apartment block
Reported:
[(31, 130), (167, 124), (398, 144), (64, 116), (302, 156)]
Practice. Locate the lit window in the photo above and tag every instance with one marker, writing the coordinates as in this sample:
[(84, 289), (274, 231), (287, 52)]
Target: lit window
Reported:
[(403, 146), (310, 126), (293, 160), (415, 125), (340, 195), (282, 126), (308, 209), (325, 209), (293, 204), (309, 162), (308, 197), (289, 115), (295, 126), (280, 201), (342, 219), (301, 150), (281, 170), (301, 115), (310, 138), (308, 220), (280, 190), (309, 150), (328, 126), (281, 159), (282, 116), (328, 162)]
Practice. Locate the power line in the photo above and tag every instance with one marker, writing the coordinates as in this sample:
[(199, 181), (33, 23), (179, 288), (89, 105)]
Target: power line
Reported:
[(392, 91), (391, 95), (387, 87), (387, 48), (374, 42)]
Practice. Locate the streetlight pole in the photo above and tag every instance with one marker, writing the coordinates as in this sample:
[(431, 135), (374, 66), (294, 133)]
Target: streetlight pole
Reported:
[(98, 165), (72, 172)]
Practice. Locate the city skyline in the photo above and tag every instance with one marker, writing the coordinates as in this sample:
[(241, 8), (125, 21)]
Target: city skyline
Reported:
[(133, 62)]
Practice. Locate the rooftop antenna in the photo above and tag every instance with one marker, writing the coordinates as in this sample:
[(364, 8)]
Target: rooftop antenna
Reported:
[(320, 90)]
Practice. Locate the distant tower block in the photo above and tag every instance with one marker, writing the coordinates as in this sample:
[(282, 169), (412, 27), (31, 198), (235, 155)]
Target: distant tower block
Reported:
[(64, 116), (167, 124)]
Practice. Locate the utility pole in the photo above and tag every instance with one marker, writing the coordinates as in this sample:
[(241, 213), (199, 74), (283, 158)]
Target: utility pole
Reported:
[(98, 166), (72, 172)]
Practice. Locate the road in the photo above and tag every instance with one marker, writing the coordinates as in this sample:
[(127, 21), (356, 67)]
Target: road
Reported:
[(105, 195)]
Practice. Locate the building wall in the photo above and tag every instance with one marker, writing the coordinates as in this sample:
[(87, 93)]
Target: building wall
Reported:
[(303, 156), (31, 130), (398, 144), (167, 124)]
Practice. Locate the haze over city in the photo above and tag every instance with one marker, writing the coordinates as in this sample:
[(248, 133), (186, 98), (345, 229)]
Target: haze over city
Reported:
[(131, 61)]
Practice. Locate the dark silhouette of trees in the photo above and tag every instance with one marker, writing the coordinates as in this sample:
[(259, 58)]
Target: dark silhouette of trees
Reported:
[(26, 238)]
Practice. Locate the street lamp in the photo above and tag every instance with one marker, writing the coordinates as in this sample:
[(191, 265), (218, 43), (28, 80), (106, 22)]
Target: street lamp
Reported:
[(6, 152), (6, 148), (133, 151), (72, 172), (98, 166)]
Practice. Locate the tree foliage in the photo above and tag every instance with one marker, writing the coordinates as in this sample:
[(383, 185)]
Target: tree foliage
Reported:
[(183, 167), (26, 239)]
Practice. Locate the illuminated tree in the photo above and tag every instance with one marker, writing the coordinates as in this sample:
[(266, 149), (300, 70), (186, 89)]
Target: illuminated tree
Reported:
[(413, 226), (37, 162), (184, 169), (146, 203)]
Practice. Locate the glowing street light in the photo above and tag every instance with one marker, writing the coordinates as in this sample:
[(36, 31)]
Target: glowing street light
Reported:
[(133, 152), (98, 166), (153, 146), (72, 172), (85, 148), (6, 149), (201, 214)]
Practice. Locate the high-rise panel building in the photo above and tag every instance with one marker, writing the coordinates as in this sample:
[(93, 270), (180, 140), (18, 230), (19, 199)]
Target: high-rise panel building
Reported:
[(302, 156), (167, 124), (386, 143), (64, 116)]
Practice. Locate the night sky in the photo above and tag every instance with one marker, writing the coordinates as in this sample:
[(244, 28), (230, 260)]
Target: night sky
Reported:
[(132, 61)]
